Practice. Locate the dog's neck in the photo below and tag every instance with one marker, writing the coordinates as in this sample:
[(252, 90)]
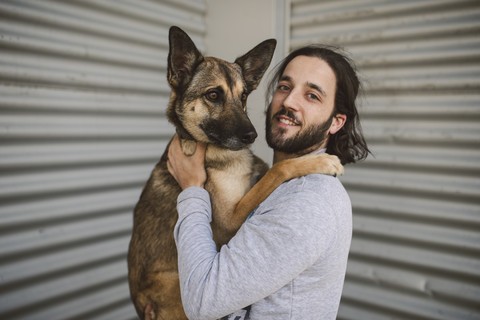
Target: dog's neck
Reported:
[(220, 158)]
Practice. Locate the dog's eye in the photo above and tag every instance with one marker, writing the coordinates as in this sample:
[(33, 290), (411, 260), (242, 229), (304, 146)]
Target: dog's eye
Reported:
[(212, 96)]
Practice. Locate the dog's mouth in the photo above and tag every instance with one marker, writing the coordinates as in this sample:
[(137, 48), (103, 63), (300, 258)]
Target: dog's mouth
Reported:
[(232, 143), (234, 139)]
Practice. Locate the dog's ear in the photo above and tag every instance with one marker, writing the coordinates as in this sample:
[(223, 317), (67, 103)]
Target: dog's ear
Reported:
[(183, 57), (255, 62)]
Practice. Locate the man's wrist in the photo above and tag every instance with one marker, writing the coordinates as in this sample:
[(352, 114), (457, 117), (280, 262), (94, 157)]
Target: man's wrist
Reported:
[(192, 184)]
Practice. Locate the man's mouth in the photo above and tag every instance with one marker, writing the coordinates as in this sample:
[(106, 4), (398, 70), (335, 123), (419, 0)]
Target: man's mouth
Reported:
[(287, 120)]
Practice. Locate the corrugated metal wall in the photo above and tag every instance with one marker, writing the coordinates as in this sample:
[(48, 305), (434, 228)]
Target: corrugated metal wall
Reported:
[(416, 247), (83, 96), (82, 101)]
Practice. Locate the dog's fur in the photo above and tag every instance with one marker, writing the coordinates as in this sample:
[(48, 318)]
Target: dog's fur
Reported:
[(208, 104)]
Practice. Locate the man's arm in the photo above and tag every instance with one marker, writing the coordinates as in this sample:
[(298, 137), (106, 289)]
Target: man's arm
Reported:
[(270, 250)]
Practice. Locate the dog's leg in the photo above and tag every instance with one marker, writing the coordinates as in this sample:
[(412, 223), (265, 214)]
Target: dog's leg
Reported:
[(188, 146), (279, 173), (161, 300)]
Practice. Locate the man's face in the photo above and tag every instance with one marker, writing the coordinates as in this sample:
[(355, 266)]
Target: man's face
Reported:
[(299, 118)]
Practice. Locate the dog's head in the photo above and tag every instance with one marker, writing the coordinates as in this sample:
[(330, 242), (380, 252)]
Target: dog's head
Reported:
[(208, 102)]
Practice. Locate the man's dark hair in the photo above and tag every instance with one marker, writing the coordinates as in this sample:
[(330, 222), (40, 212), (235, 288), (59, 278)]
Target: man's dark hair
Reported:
[(348, 144)]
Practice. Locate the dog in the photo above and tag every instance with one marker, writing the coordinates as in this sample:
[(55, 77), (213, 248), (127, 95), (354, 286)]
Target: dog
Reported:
[(207, 104)]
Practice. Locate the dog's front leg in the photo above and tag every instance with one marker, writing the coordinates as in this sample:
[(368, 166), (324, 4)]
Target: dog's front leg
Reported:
[(188, 146), (283, 171)]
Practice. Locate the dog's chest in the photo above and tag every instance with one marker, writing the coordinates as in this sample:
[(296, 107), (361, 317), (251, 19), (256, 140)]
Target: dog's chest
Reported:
[(233, 184), (228, 184)]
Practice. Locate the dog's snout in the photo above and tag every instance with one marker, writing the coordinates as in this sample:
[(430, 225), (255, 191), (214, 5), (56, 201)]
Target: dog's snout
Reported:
[(249, 137)]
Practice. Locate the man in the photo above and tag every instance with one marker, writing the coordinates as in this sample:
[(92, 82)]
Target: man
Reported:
[(288, 261)]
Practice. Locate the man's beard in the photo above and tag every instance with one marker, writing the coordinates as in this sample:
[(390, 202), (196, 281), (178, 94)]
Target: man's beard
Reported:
[(305, 141)]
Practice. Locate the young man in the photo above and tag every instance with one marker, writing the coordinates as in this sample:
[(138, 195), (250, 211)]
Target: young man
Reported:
[(288, 260)]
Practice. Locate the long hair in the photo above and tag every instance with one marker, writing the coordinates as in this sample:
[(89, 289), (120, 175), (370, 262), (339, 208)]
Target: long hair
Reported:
[(348, 144)]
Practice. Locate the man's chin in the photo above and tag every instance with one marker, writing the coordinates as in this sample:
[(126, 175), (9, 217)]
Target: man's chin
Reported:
[(285, 132), (277, 141), (295, 143)]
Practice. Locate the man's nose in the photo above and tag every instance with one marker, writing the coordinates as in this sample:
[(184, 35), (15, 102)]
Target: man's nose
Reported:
[(292, 101)]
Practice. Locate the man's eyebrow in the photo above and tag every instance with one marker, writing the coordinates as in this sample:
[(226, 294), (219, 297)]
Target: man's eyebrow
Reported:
[(309, 84), (317, 88)]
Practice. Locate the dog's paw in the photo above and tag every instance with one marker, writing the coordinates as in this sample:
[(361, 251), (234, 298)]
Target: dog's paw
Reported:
[(189, 147), (322, 163), (329, 164)]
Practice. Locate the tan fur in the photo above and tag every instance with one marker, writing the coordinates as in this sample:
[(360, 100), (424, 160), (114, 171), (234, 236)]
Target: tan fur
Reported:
[(281, 172), (226, 185), (231, 168)]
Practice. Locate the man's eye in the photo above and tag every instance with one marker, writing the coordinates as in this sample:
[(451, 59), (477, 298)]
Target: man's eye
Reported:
[(283, 88), (313, 96)]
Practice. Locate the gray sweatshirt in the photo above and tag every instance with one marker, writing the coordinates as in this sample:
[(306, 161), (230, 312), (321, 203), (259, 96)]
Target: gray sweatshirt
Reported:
[(287, 261)]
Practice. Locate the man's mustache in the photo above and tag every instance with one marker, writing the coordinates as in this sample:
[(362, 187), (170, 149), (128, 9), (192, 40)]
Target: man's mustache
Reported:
[(286, 112)]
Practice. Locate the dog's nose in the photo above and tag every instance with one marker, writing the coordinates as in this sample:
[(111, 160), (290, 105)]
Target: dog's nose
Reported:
[(249, 137)]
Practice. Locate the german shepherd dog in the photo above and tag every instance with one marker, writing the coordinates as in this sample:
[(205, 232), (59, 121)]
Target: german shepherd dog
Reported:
[(207, 104)]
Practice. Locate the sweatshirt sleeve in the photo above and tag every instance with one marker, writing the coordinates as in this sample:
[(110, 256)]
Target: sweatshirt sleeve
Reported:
[(269, 251), (195, 246)]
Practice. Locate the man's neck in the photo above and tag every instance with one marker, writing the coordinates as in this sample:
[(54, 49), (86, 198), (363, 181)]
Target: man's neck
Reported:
[(279, 156)]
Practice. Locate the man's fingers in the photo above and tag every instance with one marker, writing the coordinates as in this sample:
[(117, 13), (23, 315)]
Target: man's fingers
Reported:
[(174, 146)]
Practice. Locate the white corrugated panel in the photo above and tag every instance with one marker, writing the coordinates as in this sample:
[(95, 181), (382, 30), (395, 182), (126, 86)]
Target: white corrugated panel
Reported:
[(83, 95), (416, 247)]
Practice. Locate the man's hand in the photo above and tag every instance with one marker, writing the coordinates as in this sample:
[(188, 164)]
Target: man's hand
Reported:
[(188, 171)]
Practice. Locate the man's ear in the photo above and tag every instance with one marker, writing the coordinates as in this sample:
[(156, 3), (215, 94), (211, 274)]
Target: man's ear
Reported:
[(183, 57), (255, 62), (338, 122)]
